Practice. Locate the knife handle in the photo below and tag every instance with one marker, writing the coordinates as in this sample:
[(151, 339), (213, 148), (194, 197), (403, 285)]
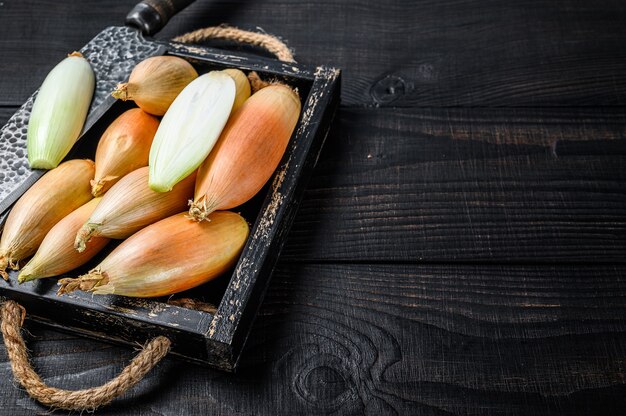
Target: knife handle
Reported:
[(150, 16)]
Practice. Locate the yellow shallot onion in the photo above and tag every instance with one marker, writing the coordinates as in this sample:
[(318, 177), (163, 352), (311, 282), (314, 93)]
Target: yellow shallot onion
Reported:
[(56, 254), (248, 151), (130, 205), (58, 192), (167, 257), (155, 82), (123, 148)]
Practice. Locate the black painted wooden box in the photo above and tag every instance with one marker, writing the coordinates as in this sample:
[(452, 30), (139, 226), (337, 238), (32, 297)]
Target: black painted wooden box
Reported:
[(214, 339)]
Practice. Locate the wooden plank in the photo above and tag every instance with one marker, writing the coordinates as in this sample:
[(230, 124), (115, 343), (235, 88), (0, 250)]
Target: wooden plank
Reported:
[(523, 186), (427, 53), (389, 339), (467, 185), (37, 34), (446, 52)]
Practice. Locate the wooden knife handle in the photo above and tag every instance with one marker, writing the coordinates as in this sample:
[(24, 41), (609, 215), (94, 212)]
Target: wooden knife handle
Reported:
[(150, 16)]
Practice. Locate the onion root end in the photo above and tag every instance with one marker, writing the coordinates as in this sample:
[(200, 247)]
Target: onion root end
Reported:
[(121, 92), (85, 283), (84, 235), (200, 210)]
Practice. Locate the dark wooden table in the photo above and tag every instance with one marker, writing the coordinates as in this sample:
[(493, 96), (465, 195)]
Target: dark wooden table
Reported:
[(461, 248)]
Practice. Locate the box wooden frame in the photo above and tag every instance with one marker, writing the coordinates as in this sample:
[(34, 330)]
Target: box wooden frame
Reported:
[(212, 339)]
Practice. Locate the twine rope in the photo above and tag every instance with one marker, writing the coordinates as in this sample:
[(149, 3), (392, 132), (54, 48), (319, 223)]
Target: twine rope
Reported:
[(265, 41), (13, 315)]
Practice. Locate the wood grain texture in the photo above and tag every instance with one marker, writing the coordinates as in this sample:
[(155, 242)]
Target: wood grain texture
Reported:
[(459, 260), (389, 339), (37, 34), (515, 185), (448, 53), (440, 185), (401, 53)]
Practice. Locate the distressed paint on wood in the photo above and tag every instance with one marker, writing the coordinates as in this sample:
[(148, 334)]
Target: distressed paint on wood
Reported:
[(467, 185), (504, 338), (389, 339)]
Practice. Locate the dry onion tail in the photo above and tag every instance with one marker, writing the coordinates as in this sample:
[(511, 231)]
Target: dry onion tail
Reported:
[(86, 283), (7, 262), (25, 276), (256, 82), (4, 263), (201, 209), (121, 92), (98, 186), (84, 235)]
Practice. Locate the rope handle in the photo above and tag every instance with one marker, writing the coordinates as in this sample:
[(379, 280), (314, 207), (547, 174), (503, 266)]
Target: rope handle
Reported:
[(268, 42), (13, 315)]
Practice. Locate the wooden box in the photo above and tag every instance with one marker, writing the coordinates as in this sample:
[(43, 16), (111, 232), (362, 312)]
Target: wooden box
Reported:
[(215, 339)]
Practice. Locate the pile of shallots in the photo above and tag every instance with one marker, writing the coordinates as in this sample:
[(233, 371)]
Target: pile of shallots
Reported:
[(214, 149)]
